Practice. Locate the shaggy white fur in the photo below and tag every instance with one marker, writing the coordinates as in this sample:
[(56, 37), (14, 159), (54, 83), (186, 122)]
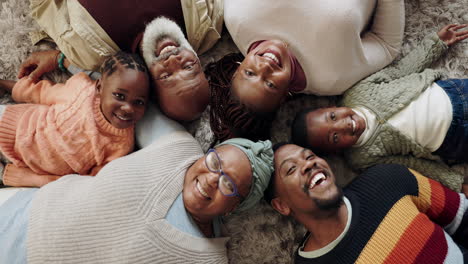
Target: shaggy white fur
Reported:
[(261, 235)]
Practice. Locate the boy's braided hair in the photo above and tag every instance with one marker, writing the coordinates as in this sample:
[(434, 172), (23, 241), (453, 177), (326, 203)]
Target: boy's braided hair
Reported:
[(127, 60), (229, 117)]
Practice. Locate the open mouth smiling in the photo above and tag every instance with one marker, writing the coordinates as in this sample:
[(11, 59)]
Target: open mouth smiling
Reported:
[(272, 56), (316, 179), (202, 191), (123, 118)]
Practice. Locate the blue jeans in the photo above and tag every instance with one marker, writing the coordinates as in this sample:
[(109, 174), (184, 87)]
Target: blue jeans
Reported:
[(455, 145)]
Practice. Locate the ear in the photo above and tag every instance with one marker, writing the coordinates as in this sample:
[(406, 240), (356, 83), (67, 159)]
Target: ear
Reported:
[(98, 86), (280, 206)]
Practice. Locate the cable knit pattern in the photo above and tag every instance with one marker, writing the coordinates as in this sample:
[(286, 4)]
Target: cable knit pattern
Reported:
[(118, 216), (61, 129), (386, 93)]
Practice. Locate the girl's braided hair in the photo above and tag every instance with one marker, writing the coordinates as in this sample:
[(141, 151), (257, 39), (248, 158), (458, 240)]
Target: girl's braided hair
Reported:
[(228, 116)]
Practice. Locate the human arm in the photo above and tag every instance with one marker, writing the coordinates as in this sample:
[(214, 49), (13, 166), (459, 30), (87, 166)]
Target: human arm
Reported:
[(25, 177), (39, 63), (431, 49), (443, 206), (42, 92), (435, 170), (421, 57), (382, 42)]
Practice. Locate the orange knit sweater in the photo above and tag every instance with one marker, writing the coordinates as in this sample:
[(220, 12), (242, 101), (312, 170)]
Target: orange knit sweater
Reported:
[(59, 130)]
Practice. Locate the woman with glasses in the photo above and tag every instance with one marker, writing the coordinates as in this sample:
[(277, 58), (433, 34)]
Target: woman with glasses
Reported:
[(161, 204)]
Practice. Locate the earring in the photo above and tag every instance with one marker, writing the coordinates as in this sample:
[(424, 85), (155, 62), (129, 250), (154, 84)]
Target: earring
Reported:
[(238, 62)]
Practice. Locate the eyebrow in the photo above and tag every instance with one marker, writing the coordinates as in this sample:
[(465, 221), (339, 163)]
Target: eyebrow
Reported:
[(286, 160), (122, 90)]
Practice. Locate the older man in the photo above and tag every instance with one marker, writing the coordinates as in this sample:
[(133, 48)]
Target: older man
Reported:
[(86, 32), (389, 214)]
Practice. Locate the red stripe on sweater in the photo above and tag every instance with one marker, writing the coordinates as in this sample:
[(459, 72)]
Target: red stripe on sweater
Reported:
[(412, 241), (436, 248), (444, 204)]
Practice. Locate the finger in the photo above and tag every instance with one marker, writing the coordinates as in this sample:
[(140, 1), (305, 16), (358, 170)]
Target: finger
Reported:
[(24, 69), (462, 37), (457, 27), (462, 33), (36, 74)]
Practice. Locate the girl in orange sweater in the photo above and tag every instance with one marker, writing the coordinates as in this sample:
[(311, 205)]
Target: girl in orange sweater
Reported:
[(76, 127)]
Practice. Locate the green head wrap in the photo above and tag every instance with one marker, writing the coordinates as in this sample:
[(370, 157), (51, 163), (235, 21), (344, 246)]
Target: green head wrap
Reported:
[(260, 155)]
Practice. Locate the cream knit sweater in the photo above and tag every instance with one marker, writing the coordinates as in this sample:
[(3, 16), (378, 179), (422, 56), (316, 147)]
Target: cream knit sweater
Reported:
[(118, 216), (331, 39)]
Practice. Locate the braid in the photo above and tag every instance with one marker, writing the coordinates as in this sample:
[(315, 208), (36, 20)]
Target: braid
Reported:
[(229, 117), (127, 60)]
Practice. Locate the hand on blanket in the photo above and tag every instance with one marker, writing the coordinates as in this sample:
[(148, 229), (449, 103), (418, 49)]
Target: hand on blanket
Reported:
[(450, 34), (39, 63)]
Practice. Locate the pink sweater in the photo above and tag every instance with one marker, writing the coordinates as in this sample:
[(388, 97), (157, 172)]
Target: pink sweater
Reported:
[(60, 130)]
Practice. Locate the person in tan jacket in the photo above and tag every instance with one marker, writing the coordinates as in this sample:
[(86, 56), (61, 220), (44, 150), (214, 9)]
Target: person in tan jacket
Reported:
[(86, 32)]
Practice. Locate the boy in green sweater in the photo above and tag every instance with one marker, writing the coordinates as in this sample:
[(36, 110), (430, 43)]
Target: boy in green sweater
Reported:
[(402, 114)]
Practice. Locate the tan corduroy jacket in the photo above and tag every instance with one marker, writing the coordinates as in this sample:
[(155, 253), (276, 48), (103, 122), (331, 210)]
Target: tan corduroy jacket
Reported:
[(86, 44)]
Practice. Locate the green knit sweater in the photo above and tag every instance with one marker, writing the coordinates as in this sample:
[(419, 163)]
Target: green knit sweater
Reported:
[(386, 93)]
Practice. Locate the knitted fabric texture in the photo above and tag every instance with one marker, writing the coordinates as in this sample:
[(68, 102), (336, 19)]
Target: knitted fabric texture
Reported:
[(386, 93), (60, 130), (399, 216), (121, 211)]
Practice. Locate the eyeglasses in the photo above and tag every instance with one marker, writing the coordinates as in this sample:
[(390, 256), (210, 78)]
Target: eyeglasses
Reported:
[(225, 184)]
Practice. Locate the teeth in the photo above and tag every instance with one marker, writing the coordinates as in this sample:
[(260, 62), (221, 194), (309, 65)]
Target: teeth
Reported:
[(201, 190), (167, 49), (316, 178), (354, 125), (123, 118), (271, 56)]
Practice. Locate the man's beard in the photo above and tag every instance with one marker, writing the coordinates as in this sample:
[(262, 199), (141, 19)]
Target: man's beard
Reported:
[(329, 204), (161, 28), (332, 203)]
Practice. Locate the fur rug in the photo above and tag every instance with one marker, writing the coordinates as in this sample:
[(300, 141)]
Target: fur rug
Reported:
[(261, 235)]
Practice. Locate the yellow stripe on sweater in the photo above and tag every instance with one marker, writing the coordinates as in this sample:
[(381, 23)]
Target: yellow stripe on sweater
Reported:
[(391, 230)]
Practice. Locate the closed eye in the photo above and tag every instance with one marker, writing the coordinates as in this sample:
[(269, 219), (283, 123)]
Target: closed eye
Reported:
[(291, 170)]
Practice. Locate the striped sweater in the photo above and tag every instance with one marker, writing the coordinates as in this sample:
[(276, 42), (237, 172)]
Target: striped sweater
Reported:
[(399, 216)]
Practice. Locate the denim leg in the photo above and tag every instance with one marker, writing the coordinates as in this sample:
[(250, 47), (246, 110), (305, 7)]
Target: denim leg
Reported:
[(455, 145)]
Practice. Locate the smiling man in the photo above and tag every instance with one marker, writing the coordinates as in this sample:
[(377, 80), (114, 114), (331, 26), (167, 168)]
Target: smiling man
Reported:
[(181, 88), (389, 214)]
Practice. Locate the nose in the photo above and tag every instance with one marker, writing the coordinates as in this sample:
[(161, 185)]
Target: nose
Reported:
[(172, 61), (212, 179), (263, 65), (343, 125), (127, 108), (307, 166)]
